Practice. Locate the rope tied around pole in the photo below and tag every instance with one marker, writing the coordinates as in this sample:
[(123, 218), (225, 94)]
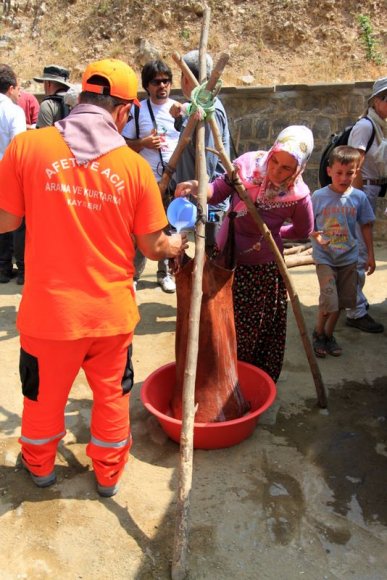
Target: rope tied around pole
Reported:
[(202, 105)]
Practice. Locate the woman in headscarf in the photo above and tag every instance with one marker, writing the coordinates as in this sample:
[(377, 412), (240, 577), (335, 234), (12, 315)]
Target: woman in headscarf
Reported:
[(274, 182)]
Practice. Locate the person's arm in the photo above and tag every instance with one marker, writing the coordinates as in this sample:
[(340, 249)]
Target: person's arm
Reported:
[(46, 114), (152, 141), (190, 188), (133, 134), (214, 164), (34, 112), (320, 238), (9, 221), (359, 138), (358, 181), (159, 246), (302, 221), (18, 122), (366, 230), (217, 191)]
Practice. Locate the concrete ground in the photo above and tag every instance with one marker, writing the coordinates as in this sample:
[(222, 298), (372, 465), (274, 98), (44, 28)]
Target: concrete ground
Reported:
[(304, 497)]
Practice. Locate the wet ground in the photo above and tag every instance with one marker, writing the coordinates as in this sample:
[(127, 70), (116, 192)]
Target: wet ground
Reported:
[(304, 497)]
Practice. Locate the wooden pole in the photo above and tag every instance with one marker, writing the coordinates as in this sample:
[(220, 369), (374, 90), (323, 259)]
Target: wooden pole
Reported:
[(266, 233), (192, 122), (179, 562), (295, 260)]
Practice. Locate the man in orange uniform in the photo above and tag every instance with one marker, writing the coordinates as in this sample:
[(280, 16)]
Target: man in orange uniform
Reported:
[(86, 197)]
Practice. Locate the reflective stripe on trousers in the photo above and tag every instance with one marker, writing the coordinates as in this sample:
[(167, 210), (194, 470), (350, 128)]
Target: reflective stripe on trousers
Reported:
[(109, 459)]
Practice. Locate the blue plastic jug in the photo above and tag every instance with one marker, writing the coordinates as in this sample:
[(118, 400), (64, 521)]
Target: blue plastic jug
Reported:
[(182, 214)]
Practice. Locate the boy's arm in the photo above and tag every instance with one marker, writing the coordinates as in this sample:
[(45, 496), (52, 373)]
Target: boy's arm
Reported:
[(366, 230), (320, 238)]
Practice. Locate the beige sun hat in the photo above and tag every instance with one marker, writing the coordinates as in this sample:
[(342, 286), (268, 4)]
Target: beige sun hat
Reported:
[(380, 86)]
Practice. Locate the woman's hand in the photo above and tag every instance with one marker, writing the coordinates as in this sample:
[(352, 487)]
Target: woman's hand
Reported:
[(185, 188)]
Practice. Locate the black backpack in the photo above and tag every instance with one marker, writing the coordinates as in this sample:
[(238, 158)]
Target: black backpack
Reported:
[(335, 140)]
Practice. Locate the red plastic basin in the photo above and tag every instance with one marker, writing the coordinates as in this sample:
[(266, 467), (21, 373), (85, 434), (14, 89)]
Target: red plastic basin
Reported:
[(256, 385)]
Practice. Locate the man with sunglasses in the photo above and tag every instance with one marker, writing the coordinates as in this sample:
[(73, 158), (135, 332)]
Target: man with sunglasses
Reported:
[(372, 179), (152, 134), (88, 199)]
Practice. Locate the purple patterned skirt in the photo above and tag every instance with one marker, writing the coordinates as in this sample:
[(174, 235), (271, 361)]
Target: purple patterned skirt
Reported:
[(260, 307)]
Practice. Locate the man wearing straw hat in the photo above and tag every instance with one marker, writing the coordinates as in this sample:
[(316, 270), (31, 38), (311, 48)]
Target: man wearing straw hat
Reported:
[(372, 179), (78, 184)]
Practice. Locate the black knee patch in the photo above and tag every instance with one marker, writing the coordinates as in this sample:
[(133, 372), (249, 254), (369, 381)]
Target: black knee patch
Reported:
[(128, 376), (29, 375)]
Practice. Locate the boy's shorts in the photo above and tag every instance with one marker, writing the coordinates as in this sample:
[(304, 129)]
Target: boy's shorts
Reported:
[(338, 287)]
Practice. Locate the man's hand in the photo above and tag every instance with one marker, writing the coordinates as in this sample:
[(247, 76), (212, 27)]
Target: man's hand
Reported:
[(176, 110), (153, 141), (177, 244), (159, 246)]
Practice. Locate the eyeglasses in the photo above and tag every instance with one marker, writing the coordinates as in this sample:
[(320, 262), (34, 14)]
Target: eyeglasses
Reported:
[(158, 82)]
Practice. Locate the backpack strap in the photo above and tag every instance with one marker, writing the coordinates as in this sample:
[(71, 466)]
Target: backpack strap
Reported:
[(152, 116), (136, 120), (371, 139)]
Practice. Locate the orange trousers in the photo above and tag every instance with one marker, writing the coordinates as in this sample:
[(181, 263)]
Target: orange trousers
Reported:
[(47, 370)]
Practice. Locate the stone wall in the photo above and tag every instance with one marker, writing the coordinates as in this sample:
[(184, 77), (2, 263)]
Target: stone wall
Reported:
[(257, 114)]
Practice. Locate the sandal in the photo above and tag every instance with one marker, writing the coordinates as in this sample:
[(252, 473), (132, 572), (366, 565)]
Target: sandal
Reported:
[(332, 347), (319, 344)]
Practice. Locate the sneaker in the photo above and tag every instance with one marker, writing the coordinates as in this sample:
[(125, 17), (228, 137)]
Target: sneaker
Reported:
[(41, 480), (107, 491), (20, 279), (167, 284), (332, 347), (365, 323)]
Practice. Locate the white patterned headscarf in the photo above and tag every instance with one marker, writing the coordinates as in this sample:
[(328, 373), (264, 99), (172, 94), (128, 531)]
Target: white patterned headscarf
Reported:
[(297, 140)]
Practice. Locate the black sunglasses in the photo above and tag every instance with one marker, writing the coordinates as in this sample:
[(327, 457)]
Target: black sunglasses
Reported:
[(158, 82)]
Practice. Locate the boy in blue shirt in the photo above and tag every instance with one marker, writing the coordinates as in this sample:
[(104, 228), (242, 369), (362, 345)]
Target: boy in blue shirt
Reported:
[(338, 208)]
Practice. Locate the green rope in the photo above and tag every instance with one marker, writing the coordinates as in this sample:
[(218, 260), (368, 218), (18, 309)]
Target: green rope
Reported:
[(203, 102)]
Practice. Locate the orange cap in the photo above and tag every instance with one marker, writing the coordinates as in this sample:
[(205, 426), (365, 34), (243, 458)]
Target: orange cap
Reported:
[(122, 79)]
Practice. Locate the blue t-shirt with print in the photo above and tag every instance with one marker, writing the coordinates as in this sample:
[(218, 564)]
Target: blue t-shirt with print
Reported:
[(336, 215)]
